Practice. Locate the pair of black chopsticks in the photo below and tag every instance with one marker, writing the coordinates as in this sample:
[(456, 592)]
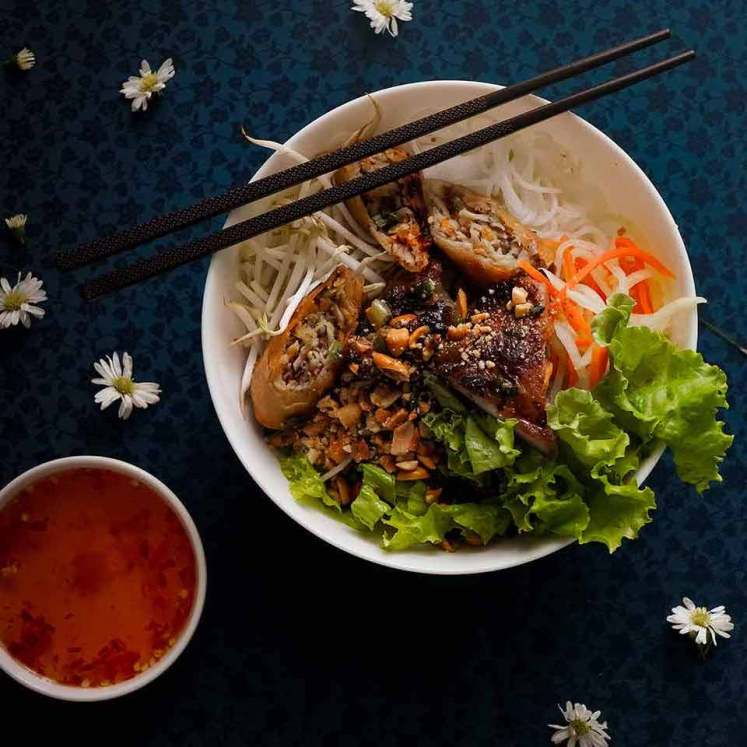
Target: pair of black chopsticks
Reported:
[(175, 256)]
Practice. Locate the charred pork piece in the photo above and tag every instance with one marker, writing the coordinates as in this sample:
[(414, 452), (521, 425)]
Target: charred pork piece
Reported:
[(479, 235), (395, 213), (297, 367), (498, 359), (422, 294)]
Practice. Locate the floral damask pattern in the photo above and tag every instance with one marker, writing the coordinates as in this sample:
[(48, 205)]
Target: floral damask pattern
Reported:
[(300, 644)]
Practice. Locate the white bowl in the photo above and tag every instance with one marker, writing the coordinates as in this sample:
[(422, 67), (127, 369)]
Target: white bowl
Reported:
[(605, 165), (46, 686)]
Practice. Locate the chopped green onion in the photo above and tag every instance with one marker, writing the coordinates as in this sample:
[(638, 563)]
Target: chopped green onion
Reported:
[(378, 313), (335, 350)]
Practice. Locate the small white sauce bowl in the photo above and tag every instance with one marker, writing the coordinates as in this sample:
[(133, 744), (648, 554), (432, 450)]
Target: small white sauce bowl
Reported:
[(46, 686)]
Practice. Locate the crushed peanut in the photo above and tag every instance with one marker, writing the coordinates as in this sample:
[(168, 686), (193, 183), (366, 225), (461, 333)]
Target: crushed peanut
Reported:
[(432, 495), (392, 367), (461, 304), (457, 333), (427, 461), (383, 396), (518, 295), (419, 473), (397, 341), (402, 320), (472, 538), (407, 466), (417, 335)]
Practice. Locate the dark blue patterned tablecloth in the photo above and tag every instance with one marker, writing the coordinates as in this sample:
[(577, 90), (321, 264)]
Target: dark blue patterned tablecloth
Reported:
[(300, 644)]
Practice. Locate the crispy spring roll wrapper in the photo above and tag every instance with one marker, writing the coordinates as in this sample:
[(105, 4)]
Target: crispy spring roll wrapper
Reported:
[(479, 235), (298, 366), (394, 214)]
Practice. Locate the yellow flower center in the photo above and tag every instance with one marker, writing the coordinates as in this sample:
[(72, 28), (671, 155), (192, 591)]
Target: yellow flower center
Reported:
[(701, 617), (385, 7), (148, 82), (14, 300), (123, 385), (580, 727)]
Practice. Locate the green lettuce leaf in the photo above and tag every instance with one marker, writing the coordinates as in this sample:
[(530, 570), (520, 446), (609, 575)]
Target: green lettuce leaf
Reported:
[(617, 512), (411, 530), (306, 486), (489, 443), (305, 482), (368, 508), (475, 444), (605, 325), (411, 496), (662, 393), (587, 429), (547, 497), (376, 496), (381, 481), (446, 426), (487, 520)]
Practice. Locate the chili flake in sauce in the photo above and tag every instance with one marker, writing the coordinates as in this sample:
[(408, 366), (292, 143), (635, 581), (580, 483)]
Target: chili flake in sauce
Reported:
[(97, 577)]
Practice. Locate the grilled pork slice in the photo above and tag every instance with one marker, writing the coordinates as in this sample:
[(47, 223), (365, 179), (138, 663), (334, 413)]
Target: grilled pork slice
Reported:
[(394, 214), (499, 359), (297, 367), (421, 294), (478, 234)]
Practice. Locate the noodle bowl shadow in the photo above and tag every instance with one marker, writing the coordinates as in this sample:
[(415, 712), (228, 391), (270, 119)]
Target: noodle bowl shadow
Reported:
[(612, 172)]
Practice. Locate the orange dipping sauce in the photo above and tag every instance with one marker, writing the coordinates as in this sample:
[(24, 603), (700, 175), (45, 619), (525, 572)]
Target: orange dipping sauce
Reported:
[(97, 577)]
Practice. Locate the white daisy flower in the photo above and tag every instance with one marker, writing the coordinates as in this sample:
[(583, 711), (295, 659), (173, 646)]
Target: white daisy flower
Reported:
[(17, 226), (117, 381), (582, 728), (23, 60), (699, 622), (141, 87), (17, 303), (384, 14)]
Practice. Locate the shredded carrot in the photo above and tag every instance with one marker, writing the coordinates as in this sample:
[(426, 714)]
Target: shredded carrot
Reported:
[(578, 321), (580, 263), (635, 251), (598, 365), (568, 267), (571, 376), (640, 292), (624, 247), (631, 264), (535, 274)]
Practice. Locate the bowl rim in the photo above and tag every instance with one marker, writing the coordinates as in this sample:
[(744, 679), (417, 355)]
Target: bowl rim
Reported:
[(46, 686), (210, 294)]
